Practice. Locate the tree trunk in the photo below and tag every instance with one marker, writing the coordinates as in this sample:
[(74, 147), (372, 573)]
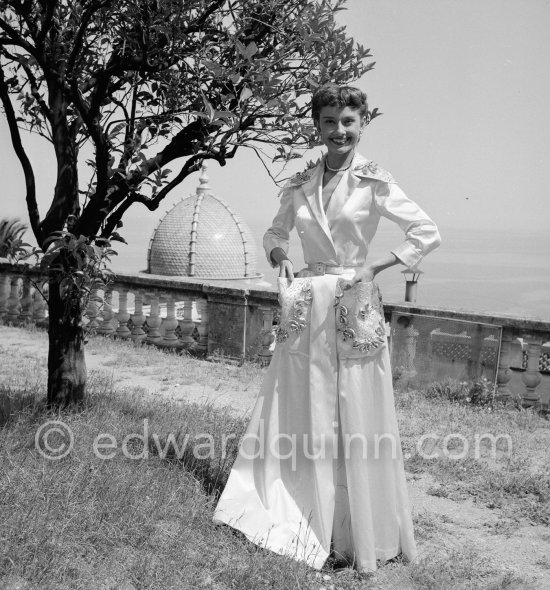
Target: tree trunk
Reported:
[(66, 363)]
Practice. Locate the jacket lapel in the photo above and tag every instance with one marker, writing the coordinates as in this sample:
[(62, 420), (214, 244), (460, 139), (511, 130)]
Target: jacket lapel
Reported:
[(352, 182), (313, 188), (340, 196)]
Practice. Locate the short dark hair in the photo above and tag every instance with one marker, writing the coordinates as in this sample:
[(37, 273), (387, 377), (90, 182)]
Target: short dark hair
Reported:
[(332, 95)]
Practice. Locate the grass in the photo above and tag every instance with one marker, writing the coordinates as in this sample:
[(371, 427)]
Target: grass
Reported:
[(146, 523), (82, 522), (465, 569), (512, 474)]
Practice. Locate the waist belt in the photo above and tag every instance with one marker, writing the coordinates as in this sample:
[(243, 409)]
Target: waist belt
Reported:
[(320, 268)]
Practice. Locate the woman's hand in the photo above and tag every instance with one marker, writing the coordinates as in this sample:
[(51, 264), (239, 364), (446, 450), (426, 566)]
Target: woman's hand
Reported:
[(285, 270), (365, 274), (278, 256)]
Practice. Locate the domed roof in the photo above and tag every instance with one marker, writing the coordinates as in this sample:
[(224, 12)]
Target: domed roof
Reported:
[(201, 237)]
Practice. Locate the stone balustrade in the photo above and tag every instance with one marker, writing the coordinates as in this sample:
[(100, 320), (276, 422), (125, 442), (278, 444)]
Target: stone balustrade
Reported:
[(236, 319), (233, 319), (522, 349)]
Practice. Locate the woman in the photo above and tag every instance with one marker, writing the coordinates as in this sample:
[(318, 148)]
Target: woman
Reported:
[(320, 467)]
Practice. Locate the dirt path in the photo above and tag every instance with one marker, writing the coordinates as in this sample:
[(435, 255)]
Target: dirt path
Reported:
[(516, 546), (443, 525), (148, 370)]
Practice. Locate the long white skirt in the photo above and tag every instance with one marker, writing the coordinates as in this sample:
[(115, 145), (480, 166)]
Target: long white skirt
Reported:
[(321, 459)]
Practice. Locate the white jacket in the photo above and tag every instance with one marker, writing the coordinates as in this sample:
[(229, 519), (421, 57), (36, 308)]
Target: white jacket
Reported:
[(342, 236)]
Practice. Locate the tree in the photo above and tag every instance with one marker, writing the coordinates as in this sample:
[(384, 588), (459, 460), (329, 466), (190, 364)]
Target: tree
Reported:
[(131, 87)]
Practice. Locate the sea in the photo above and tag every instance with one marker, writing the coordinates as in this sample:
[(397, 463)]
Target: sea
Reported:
[(480, 270)]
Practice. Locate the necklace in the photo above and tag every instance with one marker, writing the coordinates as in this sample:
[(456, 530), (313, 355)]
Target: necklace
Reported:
[(336, 169)]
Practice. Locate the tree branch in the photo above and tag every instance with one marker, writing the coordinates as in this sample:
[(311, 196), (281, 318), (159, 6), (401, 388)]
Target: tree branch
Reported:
[(101, 148), (185, 143), (33, 83), (191, 165), (32, 205), (46, 23), (16, 39), (129, 132), (197, 25), (79, 37), (257, 152), (182, 143)]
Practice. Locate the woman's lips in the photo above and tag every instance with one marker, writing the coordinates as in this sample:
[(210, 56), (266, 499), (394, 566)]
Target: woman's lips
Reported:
[(340, 141)]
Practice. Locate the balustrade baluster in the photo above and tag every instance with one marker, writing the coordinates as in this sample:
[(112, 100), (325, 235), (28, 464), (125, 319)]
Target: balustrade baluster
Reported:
[(266, 336), (5, 283), (138, 318), (410, 350), (106, 326), (93, 308), (187, 325), (14, 305), (397, 342), (531, 377), (123, 331), (202, 327), (504, 373), (170, 324), (475, 368), (154, 321), (422, 352), (25, 312)]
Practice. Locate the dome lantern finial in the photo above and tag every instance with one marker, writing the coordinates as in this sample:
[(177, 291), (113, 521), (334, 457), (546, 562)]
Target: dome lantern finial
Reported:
[(203, 187)]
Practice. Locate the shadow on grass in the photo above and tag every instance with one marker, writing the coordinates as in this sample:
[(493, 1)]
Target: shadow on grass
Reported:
[(28, 398), (206, 447), (18, 399)]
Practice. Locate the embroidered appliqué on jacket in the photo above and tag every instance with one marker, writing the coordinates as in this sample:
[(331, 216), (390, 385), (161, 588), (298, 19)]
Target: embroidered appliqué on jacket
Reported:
[(301, 177), (370, 169), (359, 316), (294, 300), (361, 167)]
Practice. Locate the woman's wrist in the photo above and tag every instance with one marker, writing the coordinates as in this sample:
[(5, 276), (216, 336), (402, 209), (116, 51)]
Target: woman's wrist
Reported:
[(278, 255), (371, 268), (378, 265)]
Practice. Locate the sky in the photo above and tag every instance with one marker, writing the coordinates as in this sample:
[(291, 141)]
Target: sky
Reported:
[(464, 90)]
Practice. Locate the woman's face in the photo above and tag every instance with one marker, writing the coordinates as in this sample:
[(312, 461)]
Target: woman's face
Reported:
[(340, 129)]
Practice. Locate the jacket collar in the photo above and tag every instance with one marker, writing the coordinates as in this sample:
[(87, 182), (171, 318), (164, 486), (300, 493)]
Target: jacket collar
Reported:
[(361, 168)]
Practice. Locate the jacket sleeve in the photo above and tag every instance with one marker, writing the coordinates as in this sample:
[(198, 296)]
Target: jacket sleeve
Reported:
[(421, 233), (277, 235)]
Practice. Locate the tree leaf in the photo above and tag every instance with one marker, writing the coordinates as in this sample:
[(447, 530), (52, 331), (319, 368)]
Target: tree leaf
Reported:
[(246, 93), (115, 236)]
